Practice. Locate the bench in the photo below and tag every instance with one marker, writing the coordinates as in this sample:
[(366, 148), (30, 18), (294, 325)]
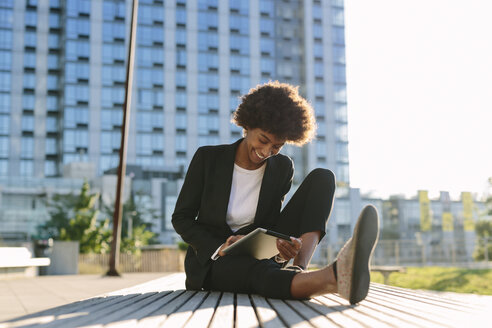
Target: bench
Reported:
[(387, 270), (18, 261), (164, 303)]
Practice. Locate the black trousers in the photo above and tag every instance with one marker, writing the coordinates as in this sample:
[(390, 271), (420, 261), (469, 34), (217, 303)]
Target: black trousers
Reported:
[(308, 210)]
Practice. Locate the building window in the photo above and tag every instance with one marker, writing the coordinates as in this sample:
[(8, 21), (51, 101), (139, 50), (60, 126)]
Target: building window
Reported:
[(341, 132), (78, 27), (239, 24), (31, 18), (5, 81), (338, 55), (4, 103), (27, 147), (29, 81), (77, 8), (26, 168), (5, 17), (5, 38), (4, 124), (76, 49), (50, 146), (6, 60), (4, 167), (338, 35), (53, 60), (50, 168), (4, 147), (75, 94), (208, 21), (208, 41), (337, 16), (180, 143), (27, 123)]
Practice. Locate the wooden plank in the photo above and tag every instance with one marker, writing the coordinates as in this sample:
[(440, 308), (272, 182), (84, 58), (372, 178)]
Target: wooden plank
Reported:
[(417, 320), (159, 316), (315, 318), (202, 316), (267, 316), (224, 314), (166, 283), (289, 317), (49, 315), (178, 319), (432, 312), (131, 320), (423, 318), (368, 316), (353, 313), (426, 298), (245, 313), (336, 314), (129, 311), (95, 315)]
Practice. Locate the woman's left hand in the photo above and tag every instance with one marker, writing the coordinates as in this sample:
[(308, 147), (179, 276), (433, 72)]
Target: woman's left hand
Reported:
[(289, 250)]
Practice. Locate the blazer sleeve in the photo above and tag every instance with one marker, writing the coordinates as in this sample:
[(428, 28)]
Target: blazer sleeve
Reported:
[(184, 218)]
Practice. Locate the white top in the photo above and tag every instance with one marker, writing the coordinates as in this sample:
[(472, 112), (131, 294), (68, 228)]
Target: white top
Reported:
[(243, 201)]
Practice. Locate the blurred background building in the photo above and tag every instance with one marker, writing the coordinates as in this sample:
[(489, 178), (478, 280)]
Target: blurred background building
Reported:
[(62, 76)]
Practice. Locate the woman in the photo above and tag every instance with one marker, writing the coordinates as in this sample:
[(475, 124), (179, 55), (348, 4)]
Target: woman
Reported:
[(230, 190)]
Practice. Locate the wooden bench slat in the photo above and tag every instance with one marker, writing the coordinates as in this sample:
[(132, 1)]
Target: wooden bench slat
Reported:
[(435, 300), (315, 318), (433, 311), (97, 312), (375, 317), (158, 317), (285, 313), (405, 316), (422, 315), (352, 313), (334, 313), (245, 313), (130, 311), (202, 316), (224, 314), (179, 318), (266, 315), (153, 305), (130, 320), (167, 283), (50, 314)]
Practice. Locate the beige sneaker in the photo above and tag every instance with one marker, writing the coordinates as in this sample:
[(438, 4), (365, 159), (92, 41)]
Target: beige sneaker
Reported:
[(353, 273)]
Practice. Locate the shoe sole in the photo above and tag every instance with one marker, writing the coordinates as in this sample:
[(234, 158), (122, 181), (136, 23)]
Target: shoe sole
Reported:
[(365, 237)]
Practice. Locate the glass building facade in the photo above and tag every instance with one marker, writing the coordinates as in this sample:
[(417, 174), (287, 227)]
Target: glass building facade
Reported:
[(63, 71)]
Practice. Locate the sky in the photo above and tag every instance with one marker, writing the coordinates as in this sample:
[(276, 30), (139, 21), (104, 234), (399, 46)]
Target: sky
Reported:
[(419, 93)]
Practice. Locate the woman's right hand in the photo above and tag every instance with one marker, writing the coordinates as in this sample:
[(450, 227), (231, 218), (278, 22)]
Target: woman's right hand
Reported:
[(231, 240)]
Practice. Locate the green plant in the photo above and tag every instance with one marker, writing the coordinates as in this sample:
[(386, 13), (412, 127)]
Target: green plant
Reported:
[(183, 246), (75, 217), (138, 213)]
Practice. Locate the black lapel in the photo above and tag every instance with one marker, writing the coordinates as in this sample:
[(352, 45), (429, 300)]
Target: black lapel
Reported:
[(223, 175), (266, 190)]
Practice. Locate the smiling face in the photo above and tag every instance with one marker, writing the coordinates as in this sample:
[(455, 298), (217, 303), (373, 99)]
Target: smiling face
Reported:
[(257, 146)]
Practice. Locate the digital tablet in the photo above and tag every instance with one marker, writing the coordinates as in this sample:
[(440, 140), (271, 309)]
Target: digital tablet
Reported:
[(260, 243)]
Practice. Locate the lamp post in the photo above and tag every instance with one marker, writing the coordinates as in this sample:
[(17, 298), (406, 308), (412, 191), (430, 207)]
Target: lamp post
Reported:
[(118, 207)]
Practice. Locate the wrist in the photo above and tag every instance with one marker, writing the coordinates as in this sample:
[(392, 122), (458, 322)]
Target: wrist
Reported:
[(279, 259)]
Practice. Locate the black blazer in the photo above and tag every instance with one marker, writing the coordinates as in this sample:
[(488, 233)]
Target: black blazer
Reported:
[(201, 207)]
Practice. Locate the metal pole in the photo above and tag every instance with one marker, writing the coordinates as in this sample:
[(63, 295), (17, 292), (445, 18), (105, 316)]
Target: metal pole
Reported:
[(118, 206)]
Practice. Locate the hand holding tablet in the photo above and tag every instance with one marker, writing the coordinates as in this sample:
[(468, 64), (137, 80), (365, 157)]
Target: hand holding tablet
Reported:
[(260, 243)]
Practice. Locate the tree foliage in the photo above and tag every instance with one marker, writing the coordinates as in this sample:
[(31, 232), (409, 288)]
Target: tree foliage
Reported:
[(140, 215), (483, 230), (74, 217)]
